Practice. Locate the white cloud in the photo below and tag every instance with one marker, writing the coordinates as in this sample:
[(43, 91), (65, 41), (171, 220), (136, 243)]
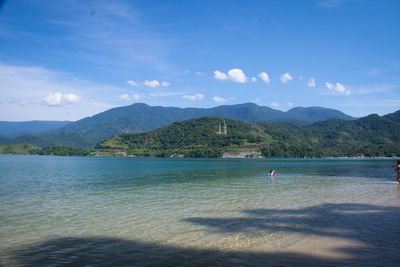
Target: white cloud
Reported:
[(53, 99), (257, 100), (340, 88), (264, 76), (329, 86), (198, 73), (57, 99), (337, 88), (286, 77), (219, 100), (290, 104), (220, 75), (28, 93), (165, 84), (311, 82), (124, 97), (275, 104), (151, 84), (253, 79), (72, 98), (136, 97), (133, 83), (193, 97), (237, 75)]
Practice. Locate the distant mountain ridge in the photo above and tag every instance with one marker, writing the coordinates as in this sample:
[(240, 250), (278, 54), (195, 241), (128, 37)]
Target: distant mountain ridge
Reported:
[(140, 117), (17, 128)]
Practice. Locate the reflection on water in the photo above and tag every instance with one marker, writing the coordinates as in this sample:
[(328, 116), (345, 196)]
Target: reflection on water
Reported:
[(70, 210)]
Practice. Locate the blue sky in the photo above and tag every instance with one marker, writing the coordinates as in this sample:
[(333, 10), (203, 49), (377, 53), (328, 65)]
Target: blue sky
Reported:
[(65, 60)]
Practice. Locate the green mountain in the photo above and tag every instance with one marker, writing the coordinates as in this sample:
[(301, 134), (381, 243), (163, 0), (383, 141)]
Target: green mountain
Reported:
[(136, 118), (20, 149), (370, 136), (142, 118), (63, 139)]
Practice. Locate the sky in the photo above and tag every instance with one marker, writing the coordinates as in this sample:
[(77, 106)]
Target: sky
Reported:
[(66, 60)]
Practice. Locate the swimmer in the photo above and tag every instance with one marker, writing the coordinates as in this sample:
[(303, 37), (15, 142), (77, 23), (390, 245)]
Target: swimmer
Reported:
[(272, 173)]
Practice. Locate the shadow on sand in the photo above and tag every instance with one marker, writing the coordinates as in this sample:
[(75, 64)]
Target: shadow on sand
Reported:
[(375, 227)]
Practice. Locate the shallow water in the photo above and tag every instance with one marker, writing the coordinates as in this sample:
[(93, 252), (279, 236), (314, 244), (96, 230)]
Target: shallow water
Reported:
[(84, 210)]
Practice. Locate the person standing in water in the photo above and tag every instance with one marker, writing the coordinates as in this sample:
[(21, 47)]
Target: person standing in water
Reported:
[(398, 170)]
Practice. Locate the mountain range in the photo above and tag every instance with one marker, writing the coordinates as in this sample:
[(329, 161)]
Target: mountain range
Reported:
[(139, 117), (215, 137), (17, 128)]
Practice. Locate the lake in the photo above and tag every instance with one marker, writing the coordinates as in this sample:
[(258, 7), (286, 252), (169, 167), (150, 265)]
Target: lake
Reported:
[(168, 212)]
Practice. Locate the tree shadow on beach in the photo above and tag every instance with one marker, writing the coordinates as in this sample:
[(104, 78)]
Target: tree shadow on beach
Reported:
[(376, 227)]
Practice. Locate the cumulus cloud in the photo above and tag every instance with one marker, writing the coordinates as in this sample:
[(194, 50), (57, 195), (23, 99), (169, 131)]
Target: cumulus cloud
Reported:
[(290, 104), (253, 79), (193, 97), (275, 104), (53, 99), (340, 88), (286, 77), (311, 82), (219, 100), (23, 89), (337, 88), (165, 84), (57, 99), (264, 76), (136, 97), (329, 86), (237, 75), (151, 84), (133, 83), (220, 75)]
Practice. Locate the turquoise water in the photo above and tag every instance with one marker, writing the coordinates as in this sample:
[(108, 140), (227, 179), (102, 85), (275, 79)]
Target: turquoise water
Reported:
[(85, 210)]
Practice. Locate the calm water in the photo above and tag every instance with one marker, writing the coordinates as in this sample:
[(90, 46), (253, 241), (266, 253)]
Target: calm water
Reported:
[(83, 210)]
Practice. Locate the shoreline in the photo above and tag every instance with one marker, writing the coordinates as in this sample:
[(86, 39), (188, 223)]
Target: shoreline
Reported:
[(183, 157)]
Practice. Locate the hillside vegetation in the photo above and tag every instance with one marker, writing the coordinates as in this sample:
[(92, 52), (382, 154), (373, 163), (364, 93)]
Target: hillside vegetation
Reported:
[(136, 118), (28, 149), (370, 136), (76, 140), (140, 117), (20, 149)]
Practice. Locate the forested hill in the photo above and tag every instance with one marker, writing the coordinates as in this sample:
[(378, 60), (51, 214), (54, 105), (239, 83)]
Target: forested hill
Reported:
[(87, 132), (370, 136), (142, 118)]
